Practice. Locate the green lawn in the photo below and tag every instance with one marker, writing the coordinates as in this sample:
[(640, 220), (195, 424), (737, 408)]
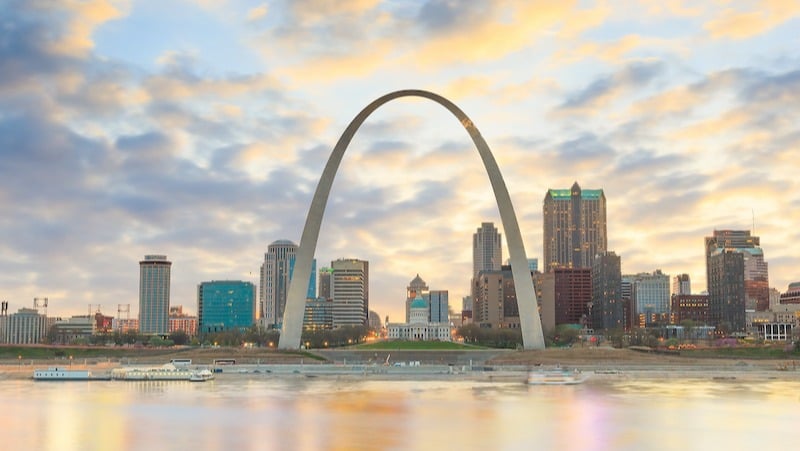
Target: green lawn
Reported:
[(389, 345)]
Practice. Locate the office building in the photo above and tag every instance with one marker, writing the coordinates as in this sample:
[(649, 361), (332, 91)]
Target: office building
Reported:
[(154, 285), (495, 299), (689, 307), (756, 270), (25, 327), (566, 296), (318, 314), (325, 283), (681, 284), (226, 305), (650, 298), (792, 294), (276, 274), (726, 291), (350, 290), (438, 306), (487, 249), (574, 227), (180, 321), (607, 311)]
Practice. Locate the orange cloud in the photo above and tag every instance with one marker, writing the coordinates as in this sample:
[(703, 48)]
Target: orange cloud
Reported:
[(84, 17), (762, 16)]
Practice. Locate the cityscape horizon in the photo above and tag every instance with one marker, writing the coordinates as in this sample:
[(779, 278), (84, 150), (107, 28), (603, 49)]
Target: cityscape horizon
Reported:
[(207, 150)]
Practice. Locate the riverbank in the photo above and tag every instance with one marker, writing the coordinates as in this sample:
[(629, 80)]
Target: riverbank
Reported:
[(493, 365)]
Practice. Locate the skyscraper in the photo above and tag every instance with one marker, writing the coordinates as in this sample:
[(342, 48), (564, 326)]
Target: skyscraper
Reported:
[(154, 280), (726, 290), (682, 284), (607, 292), (226, 305), (650, 298), (276, 274), (325, 283), (438, 306), (574, 227), (487, 249), (350, 290), (756, 277)]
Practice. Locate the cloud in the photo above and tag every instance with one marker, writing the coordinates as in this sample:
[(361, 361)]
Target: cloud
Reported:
[(258, 13), (605, 89), (760, 17)]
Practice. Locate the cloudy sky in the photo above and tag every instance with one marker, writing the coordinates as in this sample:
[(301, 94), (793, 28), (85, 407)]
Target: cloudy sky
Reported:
[(199, 129)]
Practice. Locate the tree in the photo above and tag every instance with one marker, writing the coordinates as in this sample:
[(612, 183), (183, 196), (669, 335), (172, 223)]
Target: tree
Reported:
[(179, 337), (688, 328)]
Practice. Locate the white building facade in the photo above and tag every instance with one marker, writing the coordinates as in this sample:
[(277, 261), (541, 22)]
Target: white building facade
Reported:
[(419, 326)]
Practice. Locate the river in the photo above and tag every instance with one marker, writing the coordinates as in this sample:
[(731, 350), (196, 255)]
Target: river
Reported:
[(296, 413)]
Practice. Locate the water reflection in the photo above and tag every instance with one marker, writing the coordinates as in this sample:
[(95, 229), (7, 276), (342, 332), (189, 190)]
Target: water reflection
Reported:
[(343, 414)]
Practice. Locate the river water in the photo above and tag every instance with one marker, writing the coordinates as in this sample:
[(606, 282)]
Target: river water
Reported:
[(296, 413)]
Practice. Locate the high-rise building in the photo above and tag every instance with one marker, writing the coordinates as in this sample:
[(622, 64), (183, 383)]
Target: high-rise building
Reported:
[(417, 286), (650, 299), (756, 271), (566, 296), (154, 282), (607, 312), (487, 249), (438, 306), (495, 299), (276, 274), (726, 290), (574, 227), (325, 283), (226, 305), (350, 289), (681, 284)]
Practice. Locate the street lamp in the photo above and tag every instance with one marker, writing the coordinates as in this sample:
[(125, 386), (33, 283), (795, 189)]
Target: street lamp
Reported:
[(70, 360)]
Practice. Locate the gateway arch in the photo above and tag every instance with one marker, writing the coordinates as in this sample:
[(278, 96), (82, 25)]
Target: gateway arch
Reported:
[(530, 321)]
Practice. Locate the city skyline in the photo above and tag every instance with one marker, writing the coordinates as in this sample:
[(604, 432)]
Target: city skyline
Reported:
[(205, 139)]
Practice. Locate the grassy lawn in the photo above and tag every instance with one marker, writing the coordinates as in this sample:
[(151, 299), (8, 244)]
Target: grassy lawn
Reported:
[(51, 352), (417, 345)]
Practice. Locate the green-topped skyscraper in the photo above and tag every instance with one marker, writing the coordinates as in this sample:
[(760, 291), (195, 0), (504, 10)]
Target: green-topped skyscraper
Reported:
[(574, 227)]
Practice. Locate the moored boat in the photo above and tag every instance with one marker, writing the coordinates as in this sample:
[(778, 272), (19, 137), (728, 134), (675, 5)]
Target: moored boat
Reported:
[(201, 376), (65, 374), (555, 377), (168, 372)]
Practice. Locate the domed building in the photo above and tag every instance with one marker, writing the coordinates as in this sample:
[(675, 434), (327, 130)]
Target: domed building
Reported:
[(419, 326)]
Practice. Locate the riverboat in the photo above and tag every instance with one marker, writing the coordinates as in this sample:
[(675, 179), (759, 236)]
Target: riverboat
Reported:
[(65, 374), (201, 376), (168, 372), (555, 377)]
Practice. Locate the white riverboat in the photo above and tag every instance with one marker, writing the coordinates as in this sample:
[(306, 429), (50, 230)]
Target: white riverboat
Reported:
[(201, 376), (64, 374), (555, 377), (167, 372)]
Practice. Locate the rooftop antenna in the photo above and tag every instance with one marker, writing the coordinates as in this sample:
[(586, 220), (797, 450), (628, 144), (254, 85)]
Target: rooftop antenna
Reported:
[(753, 212)]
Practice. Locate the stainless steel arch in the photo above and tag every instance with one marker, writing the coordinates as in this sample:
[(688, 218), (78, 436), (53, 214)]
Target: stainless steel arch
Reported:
[(530, 321)]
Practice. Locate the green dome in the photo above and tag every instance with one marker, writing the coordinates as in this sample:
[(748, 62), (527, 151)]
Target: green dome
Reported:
[(418, 302)]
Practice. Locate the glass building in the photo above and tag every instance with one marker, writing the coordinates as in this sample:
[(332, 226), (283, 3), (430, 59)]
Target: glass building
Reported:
[(225, 305)]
